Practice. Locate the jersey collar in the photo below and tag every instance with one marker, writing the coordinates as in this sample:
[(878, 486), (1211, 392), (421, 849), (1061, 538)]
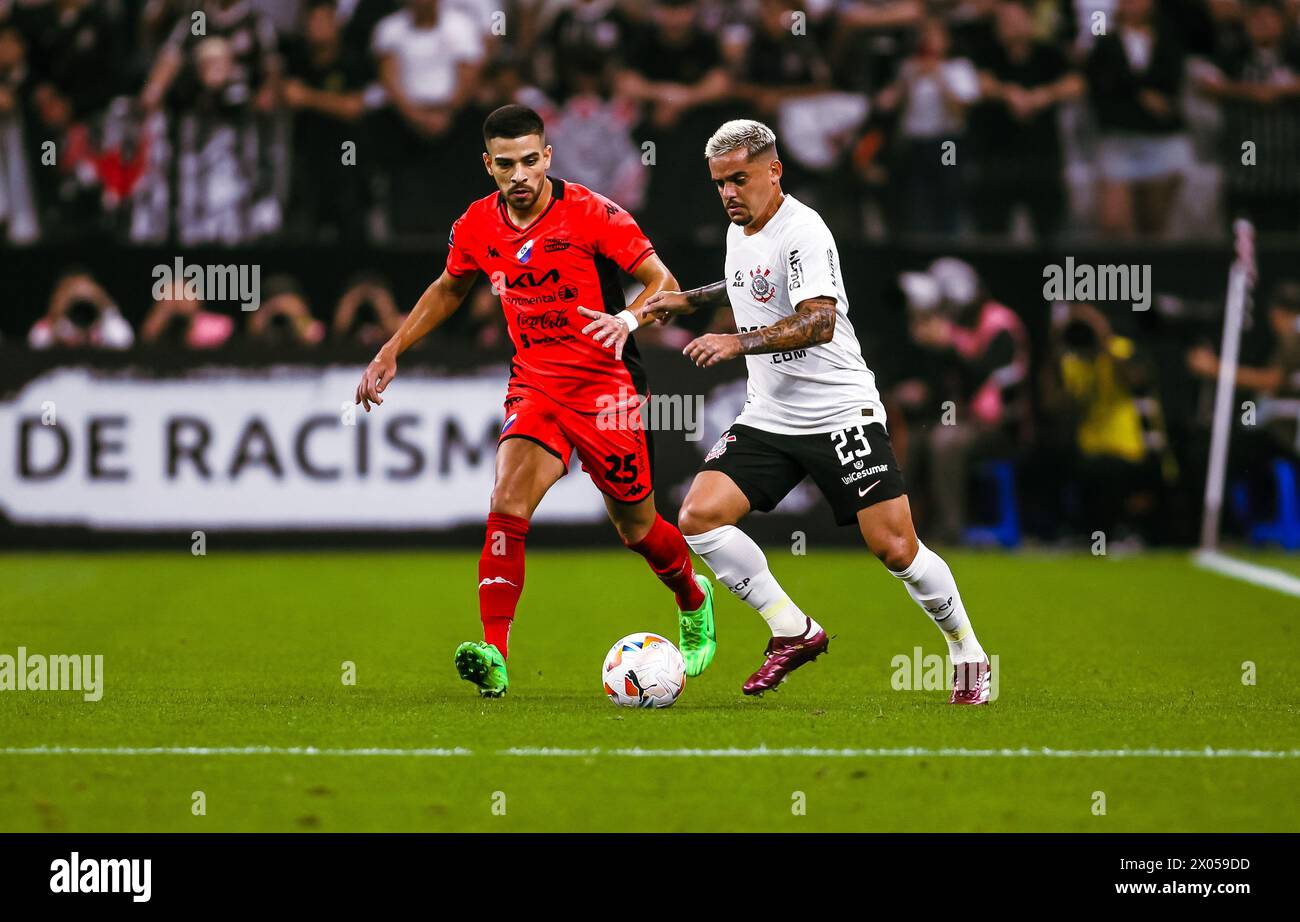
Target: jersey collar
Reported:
[(557, 193)]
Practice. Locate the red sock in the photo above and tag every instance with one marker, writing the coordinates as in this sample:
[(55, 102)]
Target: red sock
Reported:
[(665, 550), (501, 576)]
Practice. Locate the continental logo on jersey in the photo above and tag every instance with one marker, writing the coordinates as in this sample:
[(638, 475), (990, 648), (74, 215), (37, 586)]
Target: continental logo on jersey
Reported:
[(759, 287), (796, 270)]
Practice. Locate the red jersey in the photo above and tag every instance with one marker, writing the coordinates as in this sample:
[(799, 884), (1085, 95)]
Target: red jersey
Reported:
[(570, 256)]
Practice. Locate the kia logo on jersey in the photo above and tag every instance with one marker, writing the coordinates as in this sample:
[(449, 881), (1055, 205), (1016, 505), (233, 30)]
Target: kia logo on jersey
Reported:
[(525, 252), (528, 280)]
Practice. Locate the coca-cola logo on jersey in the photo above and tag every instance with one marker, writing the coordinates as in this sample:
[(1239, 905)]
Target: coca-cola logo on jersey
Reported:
[(546, 320)]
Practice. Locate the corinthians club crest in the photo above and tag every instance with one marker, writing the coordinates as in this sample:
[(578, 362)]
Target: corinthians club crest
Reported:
[(761, 289)]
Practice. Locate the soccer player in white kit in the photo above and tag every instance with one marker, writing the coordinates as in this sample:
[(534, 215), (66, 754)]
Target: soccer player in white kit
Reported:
[(812, 409)]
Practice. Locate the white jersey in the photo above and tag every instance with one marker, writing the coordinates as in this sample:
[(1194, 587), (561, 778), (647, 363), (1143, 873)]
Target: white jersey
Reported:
[(819, 388)]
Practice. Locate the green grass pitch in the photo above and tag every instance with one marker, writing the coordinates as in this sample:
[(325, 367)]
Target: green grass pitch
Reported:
[(247, 649)]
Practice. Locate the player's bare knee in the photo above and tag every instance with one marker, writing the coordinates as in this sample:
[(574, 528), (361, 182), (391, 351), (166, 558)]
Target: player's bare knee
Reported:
[(505, 501), (695, 518), (895, 551)]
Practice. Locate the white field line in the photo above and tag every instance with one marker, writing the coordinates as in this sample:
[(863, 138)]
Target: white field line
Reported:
[(1251, 573), (912, 752), (225, 751), (544, 752)]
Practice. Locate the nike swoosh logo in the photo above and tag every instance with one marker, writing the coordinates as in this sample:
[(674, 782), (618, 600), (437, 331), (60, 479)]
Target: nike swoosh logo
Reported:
[(869, 489), (495, 579)]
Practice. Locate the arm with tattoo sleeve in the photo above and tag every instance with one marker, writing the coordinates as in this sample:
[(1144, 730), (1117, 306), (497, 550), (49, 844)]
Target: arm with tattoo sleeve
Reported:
[(811, 324), (714, 295), (664, 305)]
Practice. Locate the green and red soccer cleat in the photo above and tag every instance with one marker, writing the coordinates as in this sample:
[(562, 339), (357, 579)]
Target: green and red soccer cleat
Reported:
[(697, 634), (482, 664)]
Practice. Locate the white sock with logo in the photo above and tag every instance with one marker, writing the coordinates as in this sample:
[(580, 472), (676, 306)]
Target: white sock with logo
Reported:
[(930, 582), (739, 564)]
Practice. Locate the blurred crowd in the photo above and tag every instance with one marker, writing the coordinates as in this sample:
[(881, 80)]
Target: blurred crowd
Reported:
[(83, 315), (235, 121), (1103, 419), (1106, 430)]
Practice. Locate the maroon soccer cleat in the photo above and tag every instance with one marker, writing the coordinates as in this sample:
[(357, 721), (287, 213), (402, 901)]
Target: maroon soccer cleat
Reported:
[(970, 682), (784, 656)]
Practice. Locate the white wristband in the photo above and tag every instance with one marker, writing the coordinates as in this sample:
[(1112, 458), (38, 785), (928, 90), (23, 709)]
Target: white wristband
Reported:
[(630, 319)]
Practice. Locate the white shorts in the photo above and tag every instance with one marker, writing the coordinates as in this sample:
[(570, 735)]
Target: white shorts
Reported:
[(1139, 157)]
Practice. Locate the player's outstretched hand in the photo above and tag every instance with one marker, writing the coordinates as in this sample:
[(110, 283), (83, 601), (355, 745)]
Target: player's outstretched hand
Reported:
[(712, 348), (381, 370), (606, 329), (663, 306)]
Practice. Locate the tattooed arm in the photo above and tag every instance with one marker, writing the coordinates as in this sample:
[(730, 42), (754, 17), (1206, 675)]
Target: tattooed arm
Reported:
[(811, 324), (665, 305)]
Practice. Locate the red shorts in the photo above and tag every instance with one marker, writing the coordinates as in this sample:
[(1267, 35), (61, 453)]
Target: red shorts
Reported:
[(614, 450)]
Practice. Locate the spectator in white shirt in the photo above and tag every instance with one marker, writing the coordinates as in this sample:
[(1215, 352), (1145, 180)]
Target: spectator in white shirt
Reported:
[(931, 94), (429, 58)]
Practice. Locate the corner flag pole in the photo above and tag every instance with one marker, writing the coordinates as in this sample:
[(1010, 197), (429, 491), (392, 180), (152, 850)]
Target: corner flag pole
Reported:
[(1241, 278)]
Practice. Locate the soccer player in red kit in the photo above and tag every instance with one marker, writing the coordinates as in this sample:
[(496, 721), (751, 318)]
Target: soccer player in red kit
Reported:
[(553, 251)]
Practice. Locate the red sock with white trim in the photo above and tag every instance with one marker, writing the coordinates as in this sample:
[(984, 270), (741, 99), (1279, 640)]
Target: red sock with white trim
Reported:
[(501, 576), (665, 550)]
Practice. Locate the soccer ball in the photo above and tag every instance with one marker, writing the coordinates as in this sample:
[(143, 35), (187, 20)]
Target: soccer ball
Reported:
[(643, 670)]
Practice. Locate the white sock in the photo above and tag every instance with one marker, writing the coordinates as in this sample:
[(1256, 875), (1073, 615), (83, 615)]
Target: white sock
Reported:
[(739, 564), (929, 581)]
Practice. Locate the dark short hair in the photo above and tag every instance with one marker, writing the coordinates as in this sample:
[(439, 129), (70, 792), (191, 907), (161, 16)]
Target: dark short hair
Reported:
[(513, 121)]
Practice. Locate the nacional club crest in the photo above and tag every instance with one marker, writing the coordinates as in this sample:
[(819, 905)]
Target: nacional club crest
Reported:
[(759, 286), (525, 252), (720, 446)]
